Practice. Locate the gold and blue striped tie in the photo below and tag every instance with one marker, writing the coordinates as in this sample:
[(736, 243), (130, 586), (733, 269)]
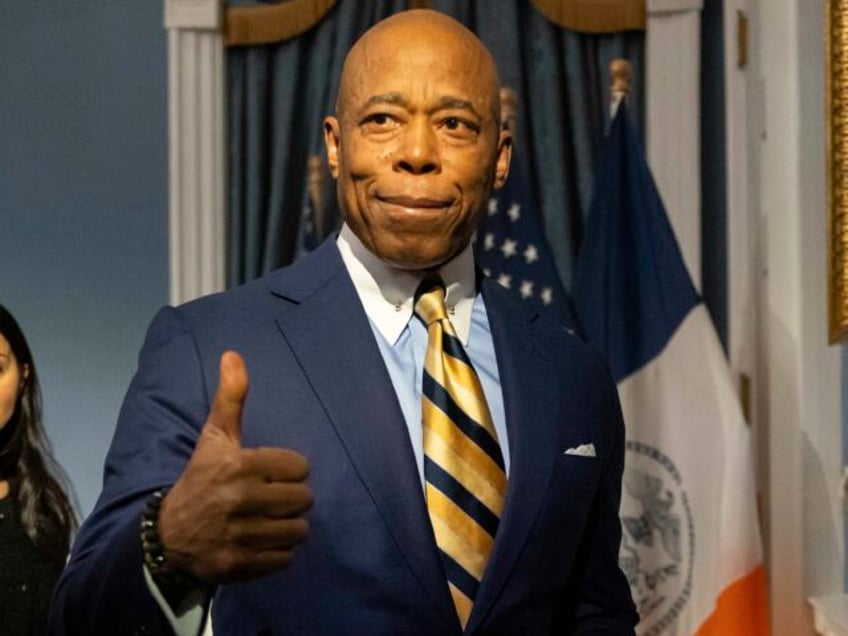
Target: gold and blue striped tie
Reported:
[(463, 465)]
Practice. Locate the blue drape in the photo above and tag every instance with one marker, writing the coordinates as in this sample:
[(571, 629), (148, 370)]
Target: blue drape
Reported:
[(563, 82), (277, 95)]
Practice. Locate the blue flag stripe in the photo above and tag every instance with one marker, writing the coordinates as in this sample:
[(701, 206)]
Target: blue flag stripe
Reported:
[(631, 287)]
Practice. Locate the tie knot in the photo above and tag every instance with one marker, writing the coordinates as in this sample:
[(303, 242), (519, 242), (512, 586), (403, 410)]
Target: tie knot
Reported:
[(430, 301)]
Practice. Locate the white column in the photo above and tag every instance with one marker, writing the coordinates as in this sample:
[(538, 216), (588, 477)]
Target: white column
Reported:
[(196, 147), (672, 114), (799, 373)]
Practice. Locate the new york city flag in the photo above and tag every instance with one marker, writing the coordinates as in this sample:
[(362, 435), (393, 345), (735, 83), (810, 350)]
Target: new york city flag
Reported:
[(691, 544)]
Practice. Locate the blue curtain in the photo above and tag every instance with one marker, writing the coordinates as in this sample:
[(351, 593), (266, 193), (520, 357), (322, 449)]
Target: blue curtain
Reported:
[(563, 83), (279, 93), (277, 97)]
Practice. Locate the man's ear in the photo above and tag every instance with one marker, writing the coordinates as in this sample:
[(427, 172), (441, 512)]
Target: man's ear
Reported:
[(332, 143), (503, 159)]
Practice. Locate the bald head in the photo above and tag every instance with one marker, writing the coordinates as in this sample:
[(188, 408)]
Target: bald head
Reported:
[(416, 145), (419, 30)]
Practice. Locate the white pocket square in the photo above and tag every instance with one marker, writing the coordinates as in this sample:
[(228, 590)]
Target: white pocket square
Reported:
[(584, 450)]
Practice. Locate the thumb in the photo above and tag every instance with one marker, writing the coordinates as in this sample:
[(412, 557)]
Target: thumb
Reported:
[(225, 415)]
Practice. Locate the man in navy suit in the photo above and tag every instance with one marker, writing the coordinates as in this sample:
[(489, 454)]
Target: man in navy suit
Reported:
[(269, 447)]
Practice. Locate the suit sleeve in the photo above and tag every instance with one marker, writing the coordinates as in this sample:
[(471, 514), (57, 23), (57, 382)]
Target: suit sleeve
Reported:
[(597, 598), (103, 588)]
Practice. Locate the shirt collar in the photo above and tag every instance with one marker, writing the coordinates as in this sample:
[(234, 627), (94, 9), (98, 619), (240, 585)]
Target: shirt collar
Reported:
[(387, 292)]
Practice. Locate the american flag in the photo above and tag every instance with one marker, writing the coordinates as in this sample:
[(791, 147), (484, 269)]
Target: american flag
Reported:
[(511, 248)]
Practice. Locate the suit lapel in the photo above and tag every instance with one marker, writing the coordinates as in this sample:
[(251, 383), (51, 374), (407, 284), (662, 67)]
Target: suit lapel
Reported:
[(525, 373), (329, 334)]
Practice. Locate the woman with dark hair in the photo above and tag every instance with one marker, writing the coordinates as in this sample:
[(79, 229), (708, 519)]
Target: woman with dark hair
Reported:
[(36, 517)]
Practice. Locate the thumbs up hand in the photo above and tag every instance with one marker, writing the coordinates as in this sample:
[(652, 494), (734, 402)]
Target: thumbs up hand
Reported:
[(235, 513)]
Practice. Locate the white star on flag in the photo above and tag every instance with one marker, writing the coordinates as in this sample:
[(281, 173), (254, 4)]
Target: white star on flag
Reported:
[(531, 254), (487, 272), (547, 295), (511, 245), (509, 248)]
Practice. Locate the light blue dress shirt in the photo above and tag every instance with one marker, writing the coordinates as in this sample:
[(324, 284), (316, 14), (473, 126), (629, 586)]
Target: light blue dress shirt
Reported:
[(387, 297)]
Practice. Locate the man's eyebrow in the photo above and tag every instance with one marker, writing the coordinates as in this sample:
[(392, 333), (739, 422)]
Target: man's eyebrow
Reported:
[(385, 98), (456, 103), (446, 102)]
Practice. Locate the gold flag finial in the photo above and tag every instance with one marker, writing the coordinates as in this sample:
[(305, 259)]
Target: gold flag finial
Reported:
[(620, 74)]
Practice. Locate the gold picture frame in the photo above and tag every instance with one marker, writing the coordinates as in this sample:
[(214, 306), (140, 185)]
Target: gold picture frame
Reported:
[(837, 168), (836, 40)]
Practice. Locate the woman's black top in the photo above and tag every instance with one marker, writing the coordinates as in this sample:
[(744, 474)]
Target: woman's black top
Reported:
[(26, 579)]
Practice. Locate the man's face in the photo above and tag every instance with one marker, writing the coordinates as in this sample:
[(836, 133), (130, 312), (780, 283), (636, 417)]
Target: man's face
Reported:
[(417, 146)]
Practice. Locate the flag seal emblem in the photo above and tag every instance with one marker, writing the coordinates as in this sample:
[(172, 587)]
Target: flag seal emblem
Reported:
[(658, 540)]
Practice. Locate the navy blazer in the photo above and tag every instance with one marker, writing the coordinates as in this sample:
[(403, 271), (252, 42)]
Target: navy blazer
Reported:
[(369, 565)]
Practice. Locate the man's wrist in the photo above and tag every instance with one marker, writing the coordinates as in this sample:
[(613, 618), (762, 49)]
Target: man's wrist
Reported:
[(173, 582)]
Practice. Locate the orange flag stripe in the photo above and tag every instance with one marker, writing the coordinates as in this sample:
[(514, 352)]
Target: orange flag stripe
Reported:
[(742, 608)]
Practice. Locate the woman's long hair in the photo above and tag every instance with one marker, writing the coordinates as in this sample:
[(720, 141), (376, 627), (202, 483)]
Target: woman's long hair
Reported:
[(26, 460)]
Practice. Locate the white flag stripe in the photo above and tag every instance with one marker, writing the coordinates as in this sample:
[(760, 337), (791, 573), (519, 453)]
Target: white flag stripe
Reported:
[(683, 403)]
